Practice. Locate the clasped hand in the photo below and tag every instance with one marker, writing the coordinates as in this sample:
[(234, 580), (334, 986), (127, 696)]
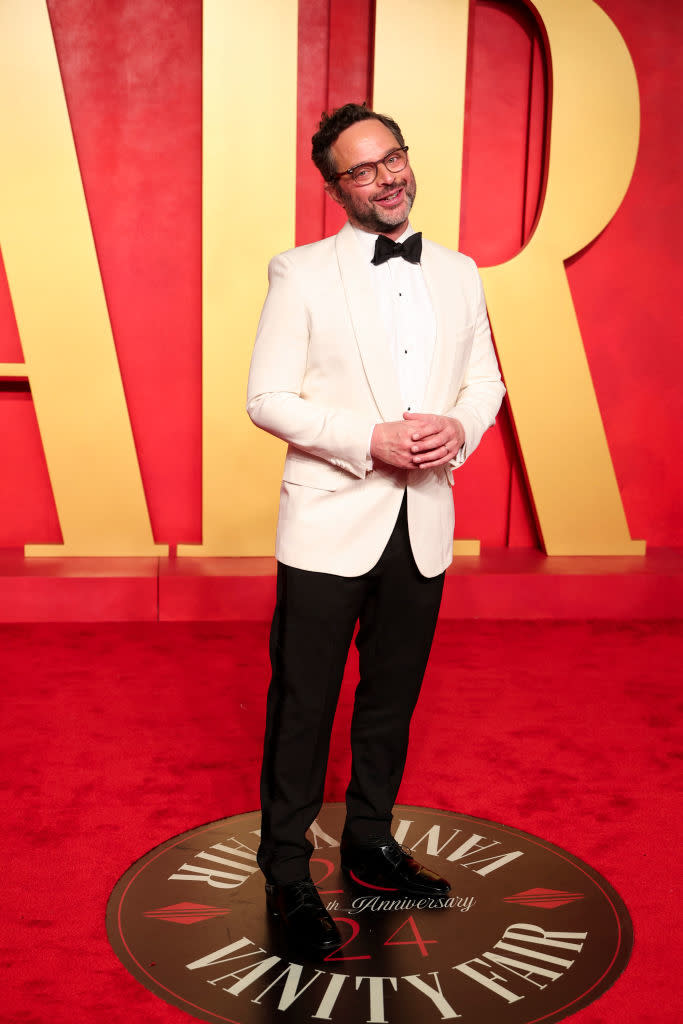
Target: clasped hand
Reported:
[(420, 440)]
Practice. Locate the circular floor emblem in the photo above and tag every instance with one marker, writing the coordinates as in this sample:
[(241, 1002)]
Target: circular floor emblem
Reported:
[(529, 933)]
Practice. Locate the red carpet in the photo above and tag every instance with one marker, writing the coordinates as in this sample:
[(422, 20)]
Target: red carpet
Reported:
[(117, 737)]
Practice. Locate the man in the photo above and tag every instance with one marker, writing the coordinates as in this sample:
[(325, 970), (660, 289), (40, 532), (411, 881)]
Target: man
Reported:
[(375, 364)]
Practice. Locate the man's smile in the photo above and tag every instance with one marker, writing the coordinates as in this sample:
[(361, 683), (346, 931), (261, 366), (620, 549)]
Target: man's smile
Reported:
[(391, 199)]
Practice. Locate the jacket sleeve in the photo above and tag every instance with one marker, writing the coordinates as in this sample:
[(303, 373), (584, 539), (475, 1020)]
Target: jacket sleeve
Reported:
[(482, 389), (275, 398)]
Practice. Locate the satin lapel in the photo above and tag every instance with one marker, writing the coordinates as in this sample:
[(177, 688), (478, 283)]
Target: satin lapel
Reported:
[(440, 287), (367, 326)]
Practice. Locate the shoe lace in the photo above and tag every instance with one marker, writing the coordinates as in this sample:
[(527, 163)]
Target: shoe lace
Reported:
[(306, 893), (396, 852)]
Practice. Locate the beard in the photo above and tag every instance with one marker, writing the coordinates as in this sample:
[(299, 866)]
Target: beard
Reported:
[(361, 211)]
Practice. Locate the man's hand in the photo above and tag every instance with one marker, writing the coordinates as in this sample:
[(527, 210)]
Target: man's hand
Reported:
[(393, 442), (436, 439), (420, 440)]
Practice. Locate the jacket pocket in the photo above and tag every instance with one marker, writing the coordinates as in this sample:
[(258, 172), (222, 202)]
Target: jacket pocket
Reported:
[(313, 472)]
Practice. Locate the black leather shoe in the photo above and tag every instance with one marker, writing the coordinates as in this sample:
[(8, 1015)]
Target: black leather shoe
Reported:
[(307, 924), (390, 868)]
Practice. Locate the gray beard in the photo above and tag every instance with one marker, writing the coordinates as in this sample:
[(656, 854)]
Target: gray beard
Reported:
[(376, 222)]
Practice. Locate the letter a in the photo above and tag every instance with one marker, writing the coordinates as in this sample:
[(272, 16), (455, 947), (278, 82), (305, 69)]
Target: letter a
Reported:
[(60, 306)]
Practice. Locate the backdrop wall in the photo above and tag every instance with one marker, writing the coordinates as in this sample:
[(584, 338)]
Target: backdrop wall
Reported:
[(132, 76)]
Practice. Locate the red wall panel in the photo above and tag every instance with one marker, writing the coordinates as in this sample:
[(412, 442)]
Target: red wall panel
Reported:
[(132, 77)]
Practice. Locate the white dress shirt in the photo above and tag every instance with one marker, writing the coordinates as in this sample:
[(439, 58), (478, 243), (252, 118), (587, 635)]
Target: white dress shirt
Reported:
[(408, 319), (407, 316)]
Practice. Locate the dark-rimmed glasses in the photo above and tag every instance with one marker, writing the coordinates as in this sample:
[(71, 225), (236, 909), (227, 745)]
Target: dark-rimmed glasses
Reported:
[(365, 174)]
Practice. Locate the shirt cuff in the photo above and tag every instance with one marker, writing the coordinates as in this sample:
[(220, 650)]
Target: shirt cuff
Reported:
[(369, 466)]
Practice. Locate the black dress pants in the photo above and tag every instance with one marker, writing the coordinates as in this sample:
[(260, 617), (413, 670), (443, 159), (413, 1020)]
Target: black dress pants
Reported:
[(315, 616)]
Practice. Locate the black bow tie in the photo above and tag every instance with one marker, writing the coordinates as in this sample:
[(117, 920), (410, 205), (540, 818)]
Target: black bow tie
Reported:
[(410, 250)]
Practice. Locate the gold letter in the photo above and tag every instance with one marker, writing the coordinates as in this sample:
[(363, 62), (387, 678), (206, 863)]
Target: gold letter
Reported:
[(59, 304), (594, 139), (249, 158)]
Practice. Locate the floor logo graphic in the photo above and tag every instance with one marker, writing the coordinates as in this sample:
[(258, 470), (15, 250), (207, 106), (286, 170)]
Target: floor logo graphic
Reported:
[(529, 933)]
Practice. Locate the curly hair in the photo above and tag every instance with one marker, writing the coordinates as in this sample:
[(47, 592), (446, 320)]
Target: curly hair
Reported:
[(332, 125)]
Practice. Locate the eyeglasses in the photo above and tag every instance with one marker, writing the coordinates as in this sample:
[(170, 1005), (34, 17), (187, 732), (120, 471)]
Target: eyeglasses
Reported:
[(365, 174)]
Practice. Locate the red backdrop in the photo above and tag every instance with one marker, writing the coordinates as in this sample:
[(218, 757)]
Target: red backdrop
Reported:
[(132, 76)]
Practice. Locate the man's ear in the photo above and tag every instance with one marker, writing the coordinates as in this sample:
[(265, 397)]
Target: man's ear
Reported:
[(332, 189)]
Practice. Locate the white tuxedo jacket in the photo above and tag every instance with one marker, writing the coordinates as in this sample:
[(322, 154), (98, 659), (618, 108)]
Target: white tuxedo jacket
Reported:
[(322, 376)]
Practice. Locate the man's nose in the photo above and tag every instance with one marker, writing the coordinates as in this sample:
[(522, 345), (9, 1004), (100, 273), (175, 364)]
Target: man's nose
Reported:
[(384, 176)]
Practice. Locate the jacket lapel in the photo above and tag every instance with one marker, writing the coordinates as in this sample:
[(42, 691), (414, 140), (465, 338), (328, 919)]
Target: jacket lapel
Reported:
[(367, 325), (438, 278)]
